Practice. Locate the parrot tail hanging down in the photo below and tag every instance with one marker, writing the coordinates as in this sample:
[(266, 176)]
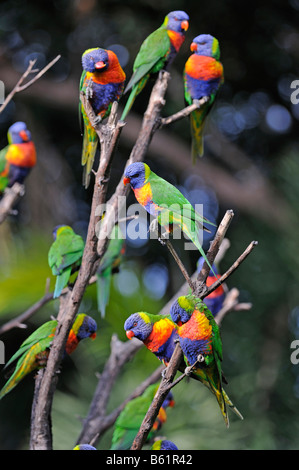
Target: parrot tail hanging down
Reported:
[(33, 352), (164, 201), (200, 341), (156, 53), (108, 266), (18, 157), (64, 256), (103, 81), (203, 76)]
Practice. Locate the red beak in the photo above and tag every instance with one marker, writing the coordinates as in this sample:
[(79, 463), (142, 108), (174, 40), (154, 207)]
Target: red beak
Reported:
[(24, 135), (193, 47), (179, 323), (100, 65), (185, 25), (126, 180), (130, 334), (93, 335)]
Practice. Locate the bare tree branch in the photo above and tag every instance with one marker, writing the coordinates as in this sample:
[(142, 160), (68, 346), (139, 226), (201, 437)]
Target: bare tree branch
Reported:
[(184, 112), (10, 197), (19, 87)]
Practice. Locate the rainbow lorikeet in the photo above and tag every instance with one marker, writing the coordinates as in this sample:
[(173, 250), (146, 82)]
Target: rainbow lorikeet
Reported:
[(18, 157), (214, 301), (108, 266), (84, 447), (103, 81), (164, 444), (159, 334), (130, 419), (157, 52), (64, 256), (203, 76), (200, 341), (164, 201), (33, 352)]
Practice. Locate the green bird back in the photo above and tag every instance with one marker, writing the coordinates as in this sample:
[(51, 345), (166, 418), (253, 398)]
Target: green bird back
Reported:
[(65, 256), (32, 354), (150, 59)]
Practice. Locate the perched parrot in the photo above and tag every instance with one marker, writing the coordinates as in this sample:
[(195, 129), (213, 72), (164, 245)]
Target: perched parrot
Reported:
[(64, 256), (200, 341), (108, 266), (203, 76), (103, 81), (33, 352), (159, 334), (18, 157), (156, 53), (164, 445), (214, 301), (164, 201), (130, 419), (84, 447)]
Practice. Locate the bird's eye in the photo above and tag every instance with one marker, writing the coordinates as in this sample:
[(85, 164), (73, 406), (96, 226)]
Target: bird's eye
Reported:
[(135, 323)]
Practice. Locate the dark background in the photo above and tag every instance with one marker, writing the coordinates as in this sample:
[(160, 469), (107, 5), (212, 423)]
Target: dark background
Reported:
[(250, 165)]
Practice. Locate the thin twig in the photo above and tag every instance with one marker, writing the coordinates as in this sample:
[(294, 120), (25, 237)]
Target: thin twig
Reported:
[(160, 396), (229, 272), (184, 112), (231, 303), (179, 263), (10, 197), (212, 253), (19, 87)]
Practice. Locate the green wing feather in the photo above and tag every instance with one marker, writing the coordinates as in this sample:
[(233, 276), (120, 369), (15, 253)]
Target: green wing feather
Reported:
[(129, 421), (150, 59), (41, 333), (153, 50)]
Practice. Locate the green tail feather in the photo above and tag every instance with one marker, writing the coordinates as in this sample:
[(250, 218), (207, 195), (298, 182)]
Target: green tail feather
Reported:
[(135, 91), (61, 281), (90, 144), (197, 125)]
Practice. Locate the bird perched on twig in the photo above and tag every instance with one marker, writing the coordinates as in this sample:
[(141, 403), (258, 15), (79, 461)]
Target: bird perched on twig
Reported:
[(34, 351), (103, 81), (156, 53), (203, 76)]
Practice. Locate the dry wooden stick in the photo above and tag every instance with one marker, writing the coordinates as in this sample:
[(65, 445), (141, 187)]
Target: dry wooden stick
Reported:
[(10, 197), (184, 112), (19, 87), (97, 422), (160, 396), (70, 302)]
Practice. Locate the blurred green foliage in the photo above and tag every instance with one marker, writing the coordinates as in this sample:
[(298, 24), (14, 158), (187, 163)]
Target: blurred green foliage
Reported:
[(259, 50)]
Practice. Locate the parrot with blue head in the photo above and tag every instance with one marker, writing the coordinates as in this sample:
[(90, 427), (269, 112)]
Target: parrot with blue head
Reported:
[(18, 157), (34, 351), (103, 81), (157, 52), (203, 76)]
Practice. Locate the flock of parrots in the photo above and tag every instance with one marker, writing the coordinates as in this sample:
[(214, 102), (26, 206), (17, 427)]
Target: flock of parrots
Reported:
[(190, 321)]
